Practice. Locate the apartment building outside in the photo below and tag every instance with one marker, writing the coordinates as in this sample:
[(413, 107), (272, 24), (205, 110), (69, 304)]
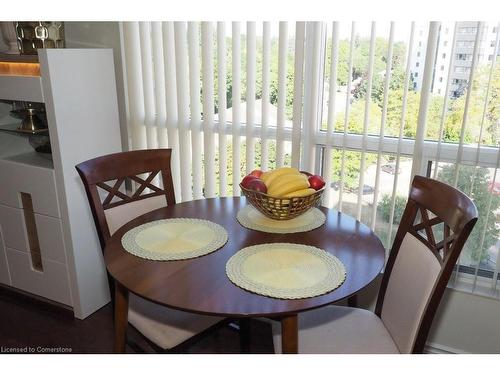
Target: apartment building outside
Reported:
[(455, 62)]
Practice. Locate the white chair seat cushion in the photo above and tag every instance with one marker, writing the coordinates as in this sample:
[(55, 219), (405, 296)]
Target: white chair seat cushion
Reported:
[(339, 330), (166, 327)]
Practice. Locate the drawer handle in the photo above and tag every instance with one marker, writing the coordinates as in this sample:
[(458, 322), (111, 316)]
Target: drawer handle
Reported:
[(29, 219)]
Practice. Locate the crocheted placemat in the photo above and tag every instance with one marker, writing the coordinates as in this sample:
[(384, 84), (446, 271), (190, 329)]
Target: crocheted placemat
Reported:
[(285, 270), (250, 218), (174, 239)]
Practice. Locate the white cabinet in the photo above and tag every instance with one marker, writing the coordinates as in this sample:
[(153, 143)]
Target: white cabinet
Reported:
[(48, 243), (52, 283)]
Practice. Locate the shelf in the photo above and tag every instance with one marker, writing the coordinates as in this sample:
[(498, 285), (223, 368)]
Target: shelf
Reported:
[(15, 148), (13, 128), (21, 88), (18, 58)]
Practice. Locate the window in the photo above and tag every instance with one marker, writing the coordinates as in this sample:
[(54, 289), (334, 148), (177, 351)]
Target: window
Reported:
[(464, 56), (490, 57), (458, 81), (417, 64), (494, 30), (462, 69), (444, 55), (347, 147), (418, 54), (465, 44), (492, 44), (445, 43), (467, 30)]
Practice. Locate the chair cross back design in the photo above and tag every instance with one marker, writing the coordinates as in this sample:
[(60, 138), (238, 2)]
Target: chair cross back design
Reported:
[(163, 329), (110, 173), (114, 191), (413, 283), (435, 203)]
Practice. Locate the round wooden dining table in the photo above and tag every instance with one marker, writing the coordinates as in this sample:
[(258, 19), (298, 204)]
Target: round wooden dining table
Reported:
[(200, 285)]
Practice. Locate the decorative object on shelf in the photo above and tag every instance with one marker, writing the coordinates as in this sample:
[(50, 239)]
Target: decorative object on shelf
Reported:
[(31, 123), (32, 116), (10, 36), (41, 34), (41, 143)]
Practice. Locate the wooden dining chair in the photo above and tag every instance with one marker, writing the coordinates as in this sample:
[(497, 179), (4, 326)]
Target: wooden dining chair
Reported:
[(414, 280), (108, 176)]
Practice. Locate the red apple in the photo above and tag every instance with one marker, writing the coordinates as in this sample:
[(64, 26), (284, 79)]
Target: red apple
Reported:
[(246, 181), (256, 172), (257, 185), (316, 182)]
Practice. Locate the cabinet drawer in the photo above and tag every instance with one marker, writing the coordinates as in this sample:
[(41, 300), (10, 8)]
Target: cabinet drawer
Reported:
[(13, 228), (37, 181), (4, 271), (52, 283), (48, 231)]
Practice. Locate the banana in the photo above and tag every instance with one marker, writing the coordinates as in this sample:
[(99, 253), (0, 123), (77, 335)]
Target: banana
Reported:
[(284, 179), (300, 193), (269, 176), (287, 186)]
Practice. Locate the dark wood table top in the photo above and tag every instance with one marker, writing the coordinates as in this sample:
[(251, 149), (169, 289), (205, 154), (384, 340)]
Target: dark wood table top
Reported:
[(200, 285)]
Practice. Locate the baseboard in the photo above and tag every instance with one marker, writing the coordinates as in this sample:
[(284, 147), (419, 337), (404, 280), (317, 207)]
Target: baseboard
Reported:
[(433, 348)]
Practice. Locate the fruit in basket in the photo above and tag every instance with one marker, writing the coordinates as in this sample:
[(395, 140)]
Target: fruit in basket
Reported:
[(300, 193), (257, 185), (316, 182), (269, 176), (257, 173), (247, 179), (287, 184)]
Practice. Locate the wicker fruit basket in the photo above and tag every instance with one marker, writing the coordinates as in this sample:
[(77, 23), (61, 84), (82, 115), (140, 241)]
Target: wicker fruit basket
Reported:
[(281, 208)]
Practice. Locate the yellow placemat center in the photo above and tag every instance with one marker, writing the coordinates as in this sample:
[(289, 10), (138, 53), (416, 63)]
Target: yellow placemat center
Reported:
[(251, 218), (284, 270), (174, 239), (178, 237)]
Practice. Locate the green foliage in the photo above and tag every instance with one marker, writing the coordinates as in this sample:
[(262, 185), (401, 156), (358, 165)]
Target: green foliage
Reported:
[(480, 193), (454, 116), (274, 61), (385, 204), (352, 164)]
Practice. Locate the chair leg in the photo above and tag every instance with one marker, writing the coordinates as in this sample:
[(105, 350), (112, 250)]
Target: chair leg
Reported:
[(352, 301), (121, 317), (244, 335)]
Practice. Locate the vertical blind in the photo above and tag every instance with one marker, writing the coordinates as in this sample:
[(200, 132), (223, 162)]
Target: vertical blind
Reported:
[(326, 98)]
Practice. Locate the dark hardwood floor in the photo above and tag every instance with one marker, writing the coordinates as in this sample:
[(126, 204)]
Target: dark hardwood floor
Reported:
[(36, 325)]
